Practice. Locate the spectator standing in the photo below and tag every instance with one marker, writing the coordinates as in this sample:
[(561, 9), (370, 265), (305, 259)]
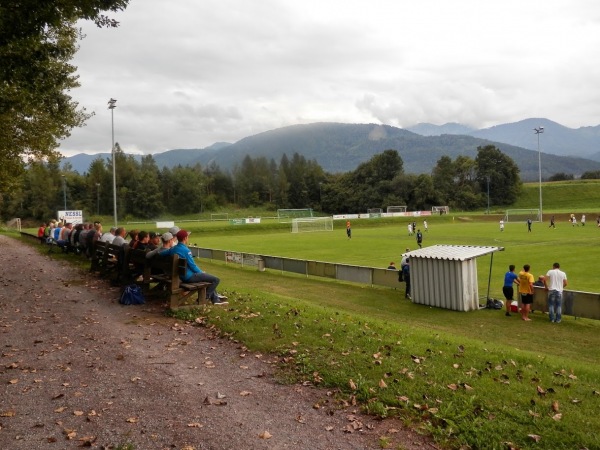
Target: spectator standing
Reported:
[(406, 276), (348, 230), (555, 282), (510, 279), (529, 225), (552, 225), (526, 291)]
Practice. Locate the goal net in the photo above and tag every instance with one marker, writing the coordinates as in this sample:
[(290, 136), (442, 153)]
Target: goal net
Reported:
[(287, 215), (219, 216), (393, 209), (440, 210), (521, 215), (302, 225)]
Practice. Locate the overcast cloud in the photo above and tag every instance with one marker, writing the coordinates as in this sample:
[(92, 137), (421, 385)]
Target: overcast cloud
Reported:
[(189, 73)]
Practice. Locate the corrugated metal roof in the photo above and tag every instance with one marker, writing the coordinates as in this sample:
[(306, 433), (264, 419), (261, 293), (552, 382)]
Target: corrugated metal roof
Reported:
[(453, 252)]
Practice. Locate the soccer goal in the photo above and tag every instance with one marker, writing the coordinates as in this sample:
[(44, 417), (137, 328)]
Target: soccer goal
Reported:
[(219, 216), (287, 215), (521, 215), (306, 224), (394, 209), (374, 210), (440, 210)]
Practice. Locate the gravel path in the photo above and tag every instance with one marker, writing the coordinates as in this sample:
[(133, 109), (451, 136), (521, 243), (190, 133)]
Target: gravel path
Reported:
[(79, 370)]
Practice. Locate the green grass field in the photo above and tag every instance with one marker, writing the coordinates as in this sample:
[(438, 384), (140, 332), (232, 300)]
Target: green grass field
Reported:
[(376, 243)]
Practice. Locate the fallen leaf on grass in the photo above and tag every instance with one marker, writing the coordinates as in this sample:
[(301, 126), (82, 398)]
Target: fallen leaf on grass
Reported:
[(452, 387), (533, 414), (541, 391), (352, 385), (382, 384), (534, 437), (557, 417), (555, 406), (265, 435)]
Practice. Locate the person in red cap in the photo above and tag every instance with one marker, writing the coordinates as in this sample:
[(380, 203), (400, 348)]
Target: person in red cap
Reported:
[(193, 273)]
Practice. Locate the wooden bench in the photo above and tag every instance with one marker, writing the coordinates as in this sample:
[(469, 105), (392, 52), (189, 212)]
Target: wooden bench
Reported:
[(105, 258), (161, 276)]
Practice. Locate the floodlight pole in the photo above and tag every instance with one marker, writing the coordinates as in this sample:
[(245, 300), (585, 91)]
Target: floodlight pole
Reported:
[(538, 131), (112, 105), (65, 190), (487, 178)]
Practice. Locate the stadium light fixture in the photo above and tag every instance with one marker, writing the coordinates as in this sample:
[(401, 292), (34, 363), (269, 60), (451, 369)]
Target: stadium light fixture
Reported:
[(538, 131), (112, 105)]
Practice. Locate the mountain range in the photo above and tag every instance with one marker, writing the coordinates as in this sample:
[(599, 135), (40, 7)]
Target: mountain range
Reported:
[(339, 147)]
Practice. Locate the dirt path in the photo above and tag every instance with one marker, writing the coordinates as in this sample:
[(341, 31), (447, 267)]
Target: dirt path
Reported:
[(79, 370)]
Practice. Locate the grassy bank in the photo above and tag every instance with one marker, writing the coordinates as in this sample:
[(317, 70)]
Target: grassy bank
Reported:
[(476, 379)]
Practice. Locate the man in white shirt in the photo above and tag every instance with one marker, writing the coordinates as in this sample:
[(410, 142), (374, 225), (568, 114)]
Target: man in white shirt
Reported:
[(555, 282), (109, 236)]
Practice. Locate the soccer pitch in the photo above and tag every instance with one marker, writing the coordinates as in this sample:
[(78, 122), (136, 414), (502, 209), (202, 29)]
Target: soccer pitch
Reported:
[(374, 245)]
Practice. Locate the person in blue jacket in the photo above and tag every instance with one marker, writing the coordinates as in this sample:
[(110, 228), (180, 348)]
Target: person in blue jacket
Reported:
[(193, 273)]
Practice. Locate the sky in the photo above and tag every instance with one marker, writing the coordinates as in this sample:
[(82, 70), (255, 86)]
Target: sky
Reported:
[(189, 73)]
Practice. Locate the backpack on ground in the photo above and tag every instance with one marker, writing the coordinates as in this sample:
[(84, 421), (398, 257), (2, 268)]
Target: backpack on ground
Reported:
[(132, 295)]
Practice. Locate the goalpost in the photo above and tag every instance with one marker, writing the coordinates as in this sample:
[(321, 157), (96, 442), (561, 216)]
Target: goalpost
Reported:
[(287, 215), (219, 216), (393, 209), (307, 224), (521, 215), (440, 210)]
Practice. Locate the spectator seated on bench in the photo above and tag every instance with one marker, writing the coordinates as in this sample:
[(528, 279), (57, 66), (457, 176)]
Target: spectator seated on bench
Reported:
[(193, 274)]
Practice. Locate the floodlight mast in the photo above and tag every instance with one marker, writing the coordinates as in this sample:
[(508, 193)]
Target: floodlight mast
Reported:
[(112, 105), (538, 131)]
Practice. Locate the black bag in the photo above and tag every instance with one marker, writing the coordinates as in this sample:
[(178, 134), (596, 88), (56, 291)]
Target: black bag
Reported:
[(132, 295)]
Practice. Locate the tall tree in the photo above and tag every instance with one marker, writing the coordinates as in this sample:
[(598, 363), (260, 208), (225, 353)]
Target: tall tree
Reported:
[(503, 173), (38, 39)]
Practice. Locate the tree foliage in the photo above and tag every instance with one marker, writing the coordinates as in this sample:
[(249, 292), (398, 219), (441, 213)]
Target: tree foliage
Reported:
[(37, 42), (145, 191)]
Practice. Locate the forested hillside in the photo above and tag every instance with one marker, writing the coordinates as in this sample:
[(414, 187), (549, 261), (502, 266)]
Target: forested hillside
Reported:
[(339, 148)]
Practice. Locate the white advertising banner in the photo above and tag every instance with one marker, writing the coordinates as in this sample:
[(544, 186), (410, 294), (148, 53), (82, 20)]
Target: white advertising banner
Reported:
[(74, 216)]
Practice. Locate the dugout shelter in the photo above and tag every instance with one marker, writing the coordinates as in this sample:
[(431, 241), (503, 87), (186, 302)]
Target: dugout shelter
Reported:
[(445, 276)]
